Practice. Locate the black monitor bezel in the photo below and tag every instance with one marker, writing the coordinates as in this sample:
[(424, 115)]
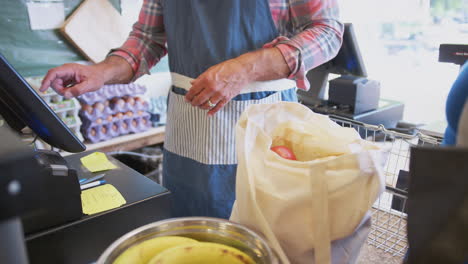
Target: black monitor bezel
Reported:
[(21, 105)]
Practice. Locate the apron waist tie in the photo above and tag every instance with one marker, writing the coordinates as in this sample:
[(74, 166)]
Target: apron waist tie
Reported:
[(182, 81)]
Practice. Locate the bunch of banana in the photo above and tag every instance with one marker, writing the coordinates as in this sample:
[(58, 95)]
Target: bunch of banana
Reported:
[(182, 250), (202, 253), (143, 252)]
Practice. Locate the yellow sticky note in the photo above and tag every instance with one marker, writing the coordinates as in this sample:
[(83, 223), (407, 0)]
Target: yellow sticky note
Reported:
[(97, 161), (100, 199)]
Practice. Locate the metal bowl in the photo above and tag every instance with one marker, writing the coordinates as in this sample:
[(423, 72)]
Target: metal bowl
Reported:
[(200, 228)]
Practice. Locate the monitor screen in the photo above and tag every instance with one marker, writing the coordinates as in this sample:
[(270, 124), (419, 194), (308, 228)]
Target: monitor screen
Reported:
[(348, 61), (21, 106)]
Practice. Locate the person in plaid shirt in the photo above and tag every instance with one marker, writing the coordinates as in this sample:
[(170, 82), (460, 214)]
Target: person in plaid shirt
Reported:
[(224, 56)]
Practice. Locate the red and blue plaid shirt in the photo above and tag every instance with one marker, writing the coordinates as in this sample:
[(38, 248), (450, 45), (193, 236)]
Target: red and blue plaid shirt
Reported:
[(310, 34)]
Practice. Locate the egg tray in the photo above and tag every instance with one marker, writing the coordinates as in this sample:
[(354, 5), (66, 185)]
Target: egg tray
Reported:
[(61, 106), (76, 130), (67, 110), (72, 121), (70, 116), (106, 129), (110, 91), (100, 110)]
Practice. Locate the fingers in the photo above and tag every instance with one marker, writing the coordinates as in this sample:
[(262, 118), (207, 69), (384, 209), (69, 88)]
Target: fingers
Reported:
[(199, 93), (218, 107), (204, 95), (220, 101), (72, 80), (58, 85), (216, 86), (79, 89), (197, 87), (214, 100), (74, 91), (63, 73), (203, 90)]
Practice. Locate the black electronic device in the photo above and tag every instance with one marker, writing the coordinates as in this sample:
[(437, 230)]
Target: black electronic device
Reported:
[(437, 205), (351, 95), (15, 190), (360, 94), (16, 157), (21, 106), (453, 53), (62, 194), (37, 190), (50, 191), (388, 113), (348, 61)]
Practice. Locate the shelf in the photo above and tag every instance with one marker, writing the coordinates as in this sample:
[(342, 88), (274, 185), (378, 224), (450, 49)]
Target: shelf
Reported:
[(129, 142)]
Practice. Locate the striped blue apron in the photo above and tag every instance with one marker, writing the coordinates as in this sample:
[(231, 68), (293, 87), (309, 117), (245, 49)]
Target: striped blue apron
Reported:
[(199, 151)]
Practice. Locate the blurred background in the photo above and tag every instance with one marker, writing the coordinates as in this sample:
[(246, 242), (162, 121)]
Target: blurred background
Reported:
[(399, 41)]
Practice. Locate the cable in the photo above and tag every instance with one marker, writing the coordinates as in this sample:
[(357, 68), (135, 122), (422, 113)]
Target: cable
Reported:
[(34, 140)]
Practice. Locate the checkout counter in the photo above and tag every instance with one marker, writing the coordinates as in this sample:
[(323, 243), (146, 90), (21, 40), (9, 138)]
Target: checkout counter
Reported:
[(54, 228), (84, 240)]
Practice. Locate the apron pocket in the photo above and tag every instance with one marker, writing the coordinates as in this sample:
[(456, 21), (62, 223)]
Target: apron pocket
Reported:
[(191, 133)]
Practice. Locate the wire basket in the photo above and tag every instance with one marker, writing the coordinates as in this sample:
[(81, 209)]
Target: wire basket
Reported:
[(388, 231)]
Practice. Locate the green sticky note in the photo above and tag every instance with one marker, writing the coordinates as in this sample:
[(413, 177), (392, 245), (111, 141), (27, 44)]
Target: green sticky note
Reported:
[(97, 161)]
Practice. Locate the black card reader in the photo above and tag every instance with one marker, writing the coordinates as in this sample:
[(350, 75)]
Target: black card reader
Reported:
[(61, 199)]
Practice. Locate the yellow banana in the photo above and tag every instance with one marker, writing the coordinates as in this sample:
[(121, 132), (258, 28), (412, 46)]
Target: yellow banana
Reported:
[(143, 252), (202, 253)]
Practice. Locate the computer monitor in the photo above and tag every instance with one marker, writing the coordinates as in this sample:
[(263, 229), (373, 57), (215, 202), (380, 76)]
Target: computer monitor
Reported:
[(348, 61), (21, 106)]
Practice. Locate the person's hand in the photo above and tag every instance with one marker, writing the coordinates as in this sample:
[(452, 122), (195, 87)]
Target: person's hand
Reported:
[(214, 88), (71, 80)]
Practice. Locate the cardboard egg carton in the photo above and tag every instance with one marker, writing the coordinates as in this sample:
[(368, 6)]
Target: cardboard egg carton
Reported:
[(112, 107), (115, 125), (114, 117), (107, 92)]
